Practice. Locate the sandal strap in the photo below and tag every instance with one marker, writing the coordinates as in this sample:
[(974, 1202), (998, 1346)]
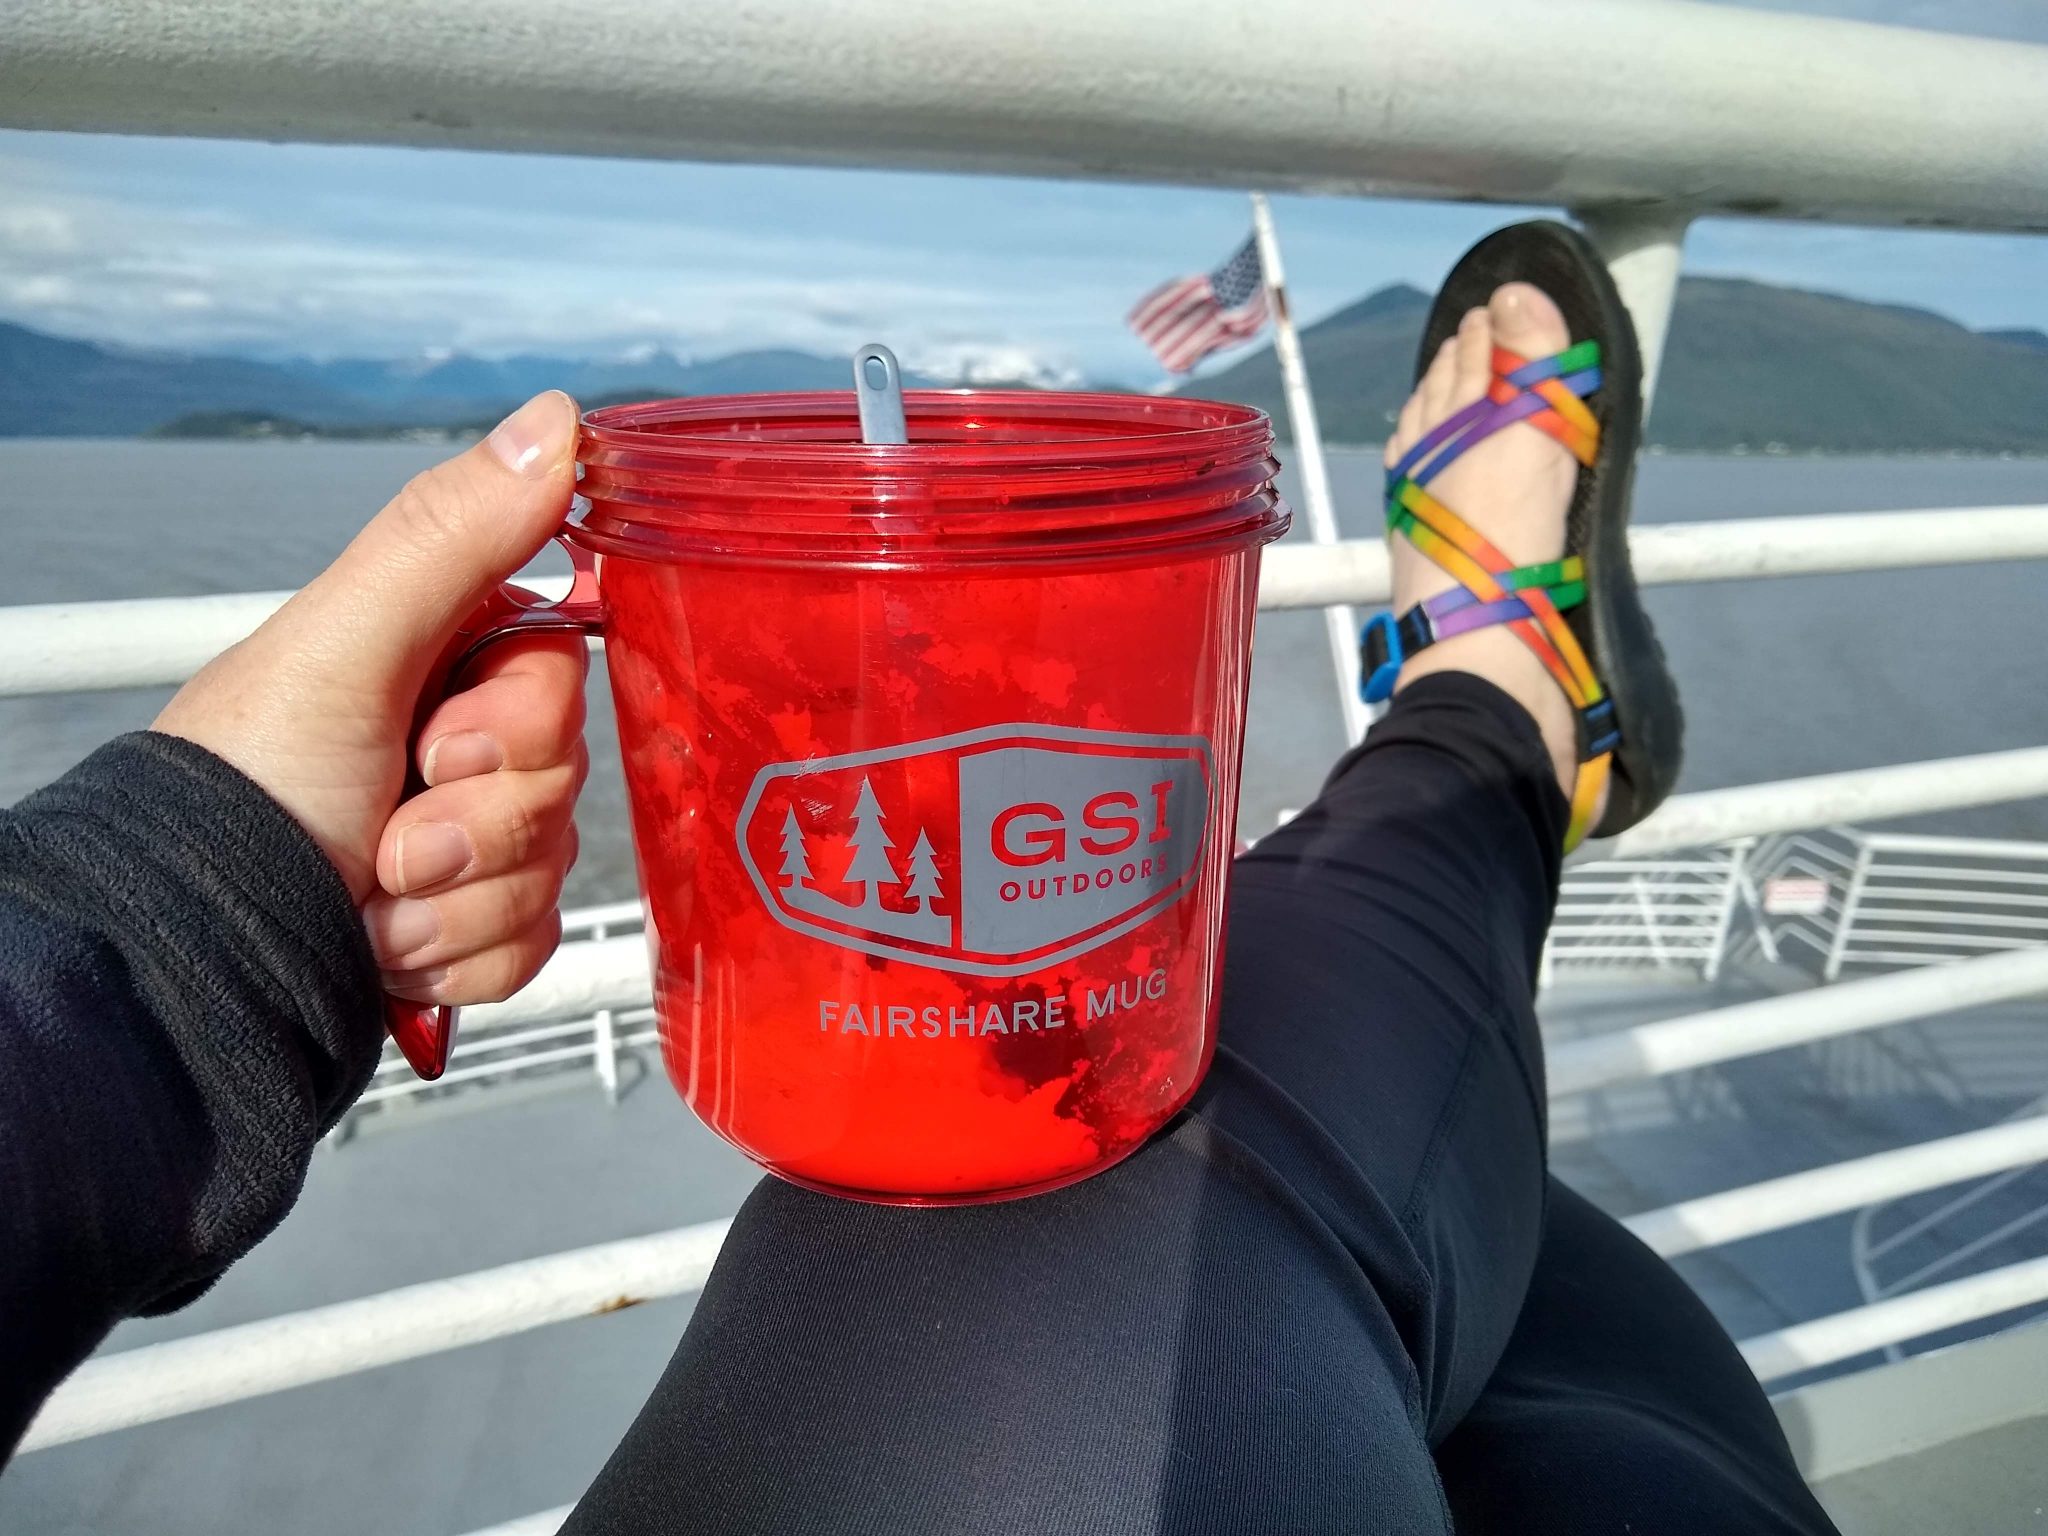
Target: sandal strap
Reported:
[(1546, 393), (1387, 642)]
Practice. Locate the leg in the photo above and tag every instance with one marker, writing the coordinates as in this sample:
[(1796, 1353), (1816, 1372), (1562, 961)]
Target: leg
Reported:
[(1620, 1406), (1259, 1321)]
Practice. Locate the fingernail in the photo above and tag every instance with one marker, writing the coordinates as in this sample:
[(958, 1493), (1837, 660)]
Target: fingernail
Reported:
[(534, 438), (1510, 299), (462, 755), (431, 851), (401, 928)]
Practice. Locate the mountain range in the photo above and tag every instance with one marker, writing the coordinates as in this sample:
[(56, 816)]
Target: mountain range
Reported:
[(51, 386), (1747, 366)]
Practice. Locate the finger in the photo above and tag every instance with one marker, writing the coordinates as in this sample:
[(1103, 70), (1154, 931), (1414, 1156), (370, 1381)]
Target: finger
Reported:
[(411, 932), (489, 977), (474, 828), (451, 535), (522, 708)]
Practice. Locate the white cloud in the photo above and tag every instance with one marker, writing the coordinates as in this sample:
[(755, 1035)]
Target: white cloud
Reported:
[(36, 290), (975, 364), (152, 273), (44, 229), (274, 249)]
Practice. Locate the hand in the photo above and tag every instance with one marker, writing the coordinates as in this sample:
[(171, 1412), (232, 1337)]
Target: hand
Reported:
[(459, 884)]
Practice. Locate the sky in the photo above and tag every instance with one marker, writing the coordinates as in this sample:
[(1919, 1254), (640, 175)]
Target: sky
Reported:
[(273, 250)]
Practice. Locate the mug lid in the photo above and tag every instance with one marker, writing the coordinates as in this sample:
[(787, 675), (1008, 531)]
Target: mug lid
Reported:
[(987, 474)]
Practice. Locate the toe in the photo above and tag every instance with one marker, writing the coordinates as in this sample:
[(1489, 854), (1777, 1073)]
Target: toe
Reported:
[(1408, 430), (1436, 383), (1525, 321), (1473, 359)]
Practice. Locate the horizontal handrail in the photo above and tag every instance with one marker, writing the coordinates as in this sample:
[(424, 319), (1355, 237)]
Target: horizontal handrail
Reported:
[(156, 642), (138, 642), (1797, 1018), (1860, 1330), (160, 1381), (1774, 1204), (1861, 794), (1736, 549), (628, 912), (1722, 109), (1975, 847), (580, 979)]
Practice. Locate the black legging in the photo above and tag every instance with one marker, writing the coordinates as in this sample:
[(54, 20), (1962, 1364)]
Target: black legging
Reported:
[(1339, 1294)]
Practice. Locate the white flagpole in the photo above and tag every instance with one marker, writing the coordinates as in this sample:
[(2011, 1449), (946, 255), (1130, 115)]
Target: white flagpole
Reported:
[(1342, 620)]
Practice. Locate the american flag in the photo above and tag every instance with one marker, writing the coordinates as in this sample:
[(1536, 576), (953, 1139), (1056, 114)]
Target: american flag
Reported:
[(1187, 319)]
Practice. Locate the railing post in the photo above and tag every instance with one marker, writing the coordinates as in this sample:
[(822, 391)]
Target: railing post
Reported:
[(1651, 930), (1850, 899), (607, 1055), (607, 1052), (1643, 247), (1738, 858), (1340, 620), (1759, 920)]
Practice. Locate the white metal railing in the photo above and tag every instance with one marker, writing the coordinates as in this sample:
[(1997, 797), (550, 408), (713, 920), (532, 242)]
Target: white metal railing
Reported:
[(1865, 794), (1738, 549), (1798, 1018), (1798, 937), (1774, 1204), (1665, 913), (1898, 1244), (1866, 1329), (1701, 107), (152, 642), (504, 1041), (160, 1381), (1704, 109), (1912, 900), (1624, 917)]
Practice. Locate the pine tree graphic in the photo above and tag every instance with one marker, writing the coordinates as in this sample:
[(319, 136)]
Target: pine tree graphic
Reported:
[(870, 868), (924, 874), (796, 863), (871, 845)]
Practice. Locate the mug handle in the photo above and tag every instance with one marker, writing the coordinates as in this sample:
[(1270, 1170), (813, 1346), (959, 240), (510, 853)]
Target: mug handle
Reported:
[(425, 1032)]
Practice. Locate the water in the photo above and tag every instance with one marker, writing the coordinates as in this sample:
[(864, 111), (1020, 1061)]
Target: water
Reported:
[(1796, 676)]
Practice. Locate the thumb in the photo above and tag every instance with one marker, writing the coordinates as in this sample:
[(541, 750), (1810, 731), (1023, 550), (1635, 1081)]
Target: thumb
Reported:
[(453, 533)]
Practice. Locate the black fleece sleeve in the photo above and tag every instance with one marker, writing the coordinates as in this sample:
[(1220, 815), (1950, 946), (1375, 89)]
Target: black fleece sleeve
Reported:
[(187, 1002)]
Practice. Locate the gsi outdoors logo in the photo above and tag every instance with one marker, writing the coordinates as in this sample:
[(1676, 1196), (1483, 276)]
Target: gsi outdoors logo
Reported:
[(992, 852)]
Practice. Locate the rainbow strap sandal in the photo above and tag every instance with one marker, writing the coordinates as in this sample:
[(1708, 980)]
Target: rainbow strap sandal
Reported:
[(1581, 614), (1549, 394)]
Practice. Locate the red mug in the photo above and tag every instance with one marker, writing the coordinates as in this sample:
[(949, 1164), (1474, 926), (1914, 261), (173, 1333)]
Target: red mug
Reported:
[(932, 758)]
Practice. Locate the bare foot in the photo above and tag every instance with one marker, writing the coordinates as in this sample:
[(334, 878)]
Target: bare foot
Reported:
[(1514, 487)]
